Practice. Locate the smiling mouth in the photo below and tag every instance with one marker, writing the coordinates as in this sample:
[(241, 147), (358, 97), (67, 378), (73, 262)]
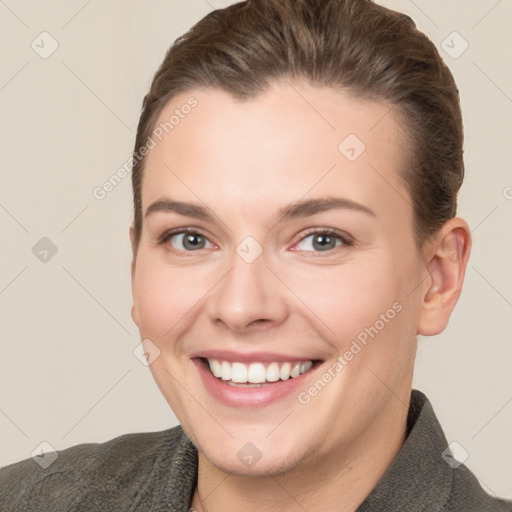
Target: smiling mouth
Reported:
[(257, 374)]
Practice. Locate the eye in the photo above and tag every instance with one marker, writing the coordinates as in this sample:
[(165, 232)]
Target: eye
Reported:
[(319, 240), (186, 240), (322, 241)]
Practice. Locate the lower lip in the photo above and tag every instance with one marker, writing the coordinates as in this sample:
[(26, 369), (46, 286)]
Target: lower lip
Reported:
[(250, 396)]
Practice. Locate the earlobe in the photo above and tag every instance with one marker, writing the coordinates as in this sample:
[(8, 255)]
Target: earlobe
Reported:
[(447, 261)]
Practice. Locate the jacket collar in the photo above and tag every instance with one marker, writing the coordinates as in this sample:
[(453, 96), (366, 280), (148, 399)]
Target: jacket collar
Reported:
[(418, 475)]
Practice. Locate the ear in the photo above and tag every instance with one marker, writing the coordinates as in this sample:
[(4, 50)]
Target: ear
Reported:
[(447, 257), (132, 272)]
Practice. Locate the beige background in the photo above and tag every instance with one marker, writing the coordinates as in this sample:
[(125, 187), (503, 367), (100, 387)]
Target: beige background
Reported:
[(67, 372)]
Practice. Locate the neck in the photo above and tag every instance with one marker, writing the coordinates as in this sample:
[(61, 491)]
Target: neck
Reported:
[(344, 476)]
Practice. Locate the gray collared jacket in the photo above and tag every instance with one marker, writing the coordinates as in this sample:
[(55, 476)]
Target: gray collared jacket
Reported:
[(157, 472)]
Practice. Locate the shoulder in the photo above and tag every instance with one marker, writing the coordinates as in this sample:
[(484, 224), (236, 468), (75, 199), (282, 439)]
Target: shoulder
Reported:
[(115, 469), (426, 476), (467, 495), (455, 487)]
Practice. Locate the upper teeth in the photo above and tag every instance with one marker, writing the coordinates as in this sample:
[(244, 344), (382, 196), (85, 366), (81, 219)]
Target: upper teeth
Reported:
[(256, 373)]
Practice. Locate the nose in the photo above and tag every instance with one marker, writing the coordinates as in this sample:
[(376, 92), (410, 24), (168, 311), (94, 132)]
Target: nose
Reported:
[(249, 297)]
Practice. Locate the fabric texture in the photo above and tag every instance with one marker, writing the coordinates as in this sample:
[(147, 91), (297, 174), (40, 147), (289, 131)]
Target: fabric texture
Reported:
[(157, 472)]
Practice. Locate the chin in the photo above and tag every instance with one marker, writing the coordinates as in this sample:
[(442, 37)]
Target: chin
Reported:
[(266, 466), (259, 458)]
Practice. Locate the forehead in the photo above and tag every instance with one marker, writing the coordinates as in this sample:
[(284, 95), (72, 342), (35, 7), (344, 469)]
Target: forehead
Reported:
[(291, 141)]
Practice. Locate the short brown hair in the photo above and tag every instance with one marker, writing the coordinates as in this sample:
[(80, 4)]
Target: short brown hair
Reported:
[(366, 49)]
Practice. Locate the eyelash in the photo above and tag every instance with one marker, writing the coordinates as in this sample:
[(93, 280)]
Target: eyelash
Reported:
[(346, 240)]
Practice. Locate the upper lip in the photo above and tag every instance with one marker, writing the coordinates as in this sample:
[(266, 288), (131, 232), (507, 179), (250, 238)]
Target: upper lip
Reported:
[(250, 357)]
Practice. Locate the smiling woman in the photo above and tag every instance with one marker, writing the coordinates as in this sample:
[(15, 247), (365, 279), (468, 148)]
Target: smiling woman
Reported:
[(226, 338), (292, 237)]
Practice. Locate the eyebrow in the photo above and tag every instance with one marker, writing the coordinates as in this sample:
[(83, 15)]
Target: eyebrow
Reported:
[(297, 209)]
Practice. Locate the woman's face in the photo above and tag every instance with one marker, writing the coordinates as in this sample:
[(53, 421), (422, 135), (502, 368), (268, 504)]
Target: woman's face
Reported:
[(299, 272)]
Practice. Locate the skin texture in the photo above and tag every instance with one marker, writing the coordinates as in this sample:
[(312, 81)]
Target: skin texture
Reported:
[(244, 161)]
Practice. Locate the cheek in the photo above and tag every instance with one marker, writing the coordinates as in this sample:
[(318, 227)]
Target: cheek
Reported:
[(163, 296), (347, 298), (364, 312)]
